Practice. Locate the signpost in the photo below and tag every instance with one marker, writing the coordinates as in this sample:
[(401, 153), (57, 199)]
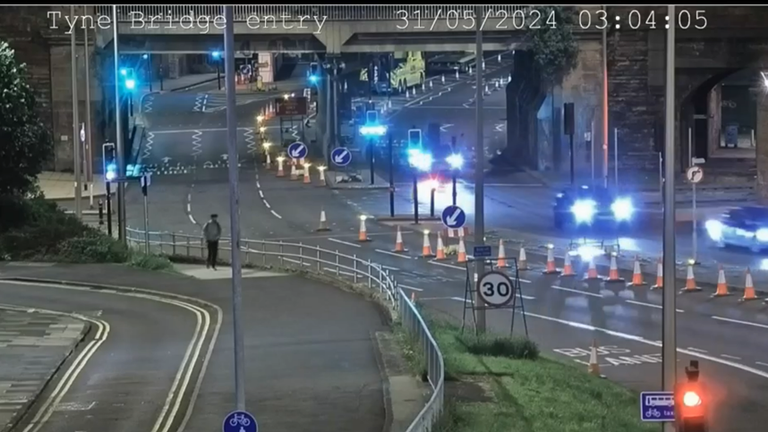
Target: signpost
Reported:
[(341, 156), (657, 406), (297, 150), (146, 180), (694, 174), (453, 217), (293, 106), (239, 421), (482, 251), (496, 289)]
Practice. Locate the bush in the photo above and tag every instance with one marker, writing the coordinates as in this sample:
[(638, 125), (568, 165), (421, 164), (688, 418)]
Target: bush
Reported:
[(92, 247), (150, 262)]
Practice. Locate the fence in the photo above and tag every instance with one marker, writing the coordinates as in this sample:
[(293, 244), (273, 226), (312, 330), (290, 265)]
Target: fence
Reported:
[(347, 268)]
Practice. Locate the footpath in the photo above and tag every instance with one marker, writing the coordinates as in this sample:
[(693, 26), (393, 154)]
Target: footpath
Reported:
[(34, 346)]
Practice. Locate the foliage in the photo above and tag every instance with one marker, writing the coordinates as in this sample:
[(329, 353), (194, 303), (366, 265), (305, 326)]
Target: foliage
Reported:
[(25, 143), (150, 262), (555, 51)]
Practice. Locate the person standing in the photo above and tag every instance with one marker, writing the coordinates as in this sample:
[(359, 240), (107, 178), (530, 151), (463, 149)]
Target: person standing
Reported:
[(212, 234)]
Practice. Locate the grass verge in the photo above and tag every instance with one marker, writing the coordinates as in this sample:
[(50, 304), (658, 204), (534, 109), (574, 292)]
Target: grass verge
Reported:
[(501, 384)]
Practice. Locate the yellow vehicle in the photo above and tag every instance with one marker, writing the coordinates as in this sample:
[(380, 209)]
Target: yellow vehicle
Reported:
[(408, 70)]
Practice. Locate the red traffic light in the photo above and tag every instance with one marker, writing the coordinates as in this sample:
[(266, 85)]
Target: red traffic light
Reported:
[(691, 399)]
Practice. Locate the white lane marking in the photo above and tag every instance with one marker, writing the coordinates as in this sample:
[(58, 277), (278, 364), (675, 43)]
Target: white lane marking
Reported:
[(635, 302), (523, 280), (697, 350), (343, 242), (455, 267), (640, 339), (762, 364), (392, 253), (192, 219), (470, 301), (408, 287), (261, 194), (170, 131), (189, 208), (576, 291), (740, 322), (205, 102), (258, 185), (390, 268), (276, 215), (730, 357), (266, 204)]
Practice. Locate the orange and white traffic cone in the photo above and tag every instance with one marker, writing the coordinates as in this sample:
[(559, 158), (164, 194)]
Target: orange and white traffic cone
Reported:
[(637, 275), (426, 248), (501, 261), (659, 276), (323, 222), (440, 248), (322, 177), (462, 254), (613, 272), (362, 235), (567, 266), (749, 288), (307, 179), (280, 171), (594, 366), (551, 268), (690, 281), (399, 247), (294, 172), (722, 286), (592, 271), (522, 261)]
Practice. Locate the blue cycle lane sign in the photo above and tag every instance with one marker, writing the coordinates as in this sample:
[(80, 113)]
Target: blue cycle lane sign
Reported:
[(239, 421), (657, 406), (453, 217), (297, 150), (341, 156)]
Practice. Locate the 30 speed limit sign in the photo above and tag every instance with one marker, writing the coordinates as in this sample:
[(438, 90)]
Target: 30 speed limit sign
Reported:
[(496, 289)]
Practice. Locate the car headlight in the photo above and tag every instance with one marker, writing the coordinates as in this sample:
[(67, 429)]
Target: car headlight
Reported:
[(714, 229), (762, 235), (584, 210), (622, 209)]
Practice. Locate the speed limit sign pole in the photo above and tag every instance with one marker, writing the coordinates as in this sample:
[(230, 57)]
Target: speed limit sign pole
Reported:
[(694, 174), (497, 291)]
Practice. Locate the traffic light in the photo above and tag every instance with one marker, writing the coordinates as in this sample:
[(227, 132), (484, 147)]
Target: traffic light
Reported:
[(414, 138), (129, 78), (371, 117), (216, 55), (690, 402), (109, 157), (314, 72)]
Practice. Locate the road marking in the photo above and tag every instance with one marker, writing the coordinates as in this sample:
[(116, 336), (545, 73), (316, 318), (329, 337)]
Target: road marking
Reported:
[(576, 291), (261, 194), (523, 280), (392, 253), (171, 131), (266, 204), (276, 215), (408, 287), (697, 350), (635, 302), (447, 265), (740, 322), (730, 357), (192, 219), (343, 242), (390, 268), (470, 301), (762, 364), (189, 208)]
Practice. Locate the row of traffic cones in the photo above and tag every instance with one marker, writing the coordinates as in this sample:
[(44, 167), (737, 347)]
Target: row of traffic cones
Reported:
[(294, 172)]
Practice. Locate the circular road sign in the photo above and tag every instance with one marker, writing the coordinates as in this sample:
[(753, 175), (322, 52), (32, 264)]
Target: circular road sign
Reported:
[(694, 174), (496, 289)]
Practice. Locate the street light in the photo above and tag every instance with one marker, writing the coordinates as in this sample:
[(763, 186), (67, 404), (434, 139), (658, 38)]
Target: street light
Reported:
[(455, 161), (259, 118), (419, 161)]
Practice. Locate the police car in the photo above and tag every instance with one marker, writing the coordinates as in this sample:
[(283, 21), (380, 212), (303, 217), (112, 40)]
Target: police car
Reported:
[(742, 227), (588, 206)]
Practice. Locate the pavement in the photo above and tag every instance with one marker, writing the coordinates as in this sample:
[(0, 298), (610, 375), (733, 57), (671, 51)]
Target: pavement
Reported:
[(313, 360), (60, 186)]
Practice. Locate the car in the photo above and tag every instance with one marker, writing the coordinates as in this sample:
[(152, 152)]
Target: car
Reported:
[(745, 226), (589, 206)]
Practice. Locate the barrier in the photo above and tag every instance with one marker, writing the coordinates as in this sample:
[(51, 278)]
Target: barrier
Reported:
[(329, 263)]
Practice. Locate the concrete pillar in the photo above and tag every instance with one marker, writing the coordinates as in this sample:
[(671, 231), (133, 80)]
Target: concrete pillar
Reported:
[(714, 119), (761, 149)]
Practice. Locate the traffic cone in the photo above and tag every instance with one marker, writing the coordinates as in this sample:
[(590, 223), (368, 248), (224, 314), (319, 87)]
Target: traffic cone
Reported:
[(399, 247), (426, 249), (501, 262), (307, 179), (522, 261), (440, 248), (749, 288), (280, 172), (592, 271), (362, 236), (551, 269), (613, 272), (659, 276), (722, 286), (637, 276), (322, 177), (323, 222), (294, 173), (567, 267), (462, 254), (690, 281), (594, 366), (268, 162)]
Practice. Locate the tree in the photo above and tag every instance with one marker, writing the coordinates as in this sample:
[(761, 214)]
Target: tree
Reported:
[(555, 52), (25, 143)]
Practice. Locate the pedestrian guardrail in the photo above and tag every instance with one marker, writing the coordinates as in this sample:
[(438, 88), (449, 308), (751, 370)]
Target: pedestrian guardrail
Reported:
[(330, 263)]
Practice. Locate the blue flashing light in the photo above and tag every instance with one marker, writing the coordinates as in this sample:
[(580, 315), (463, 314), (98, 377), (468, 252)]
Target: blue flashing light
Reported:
[(130, 83), (373, 130), (111, 173), (216, 54), (313, 79), (123, 71), (145, 56), (455, 161), (420, 160), (623, 209)]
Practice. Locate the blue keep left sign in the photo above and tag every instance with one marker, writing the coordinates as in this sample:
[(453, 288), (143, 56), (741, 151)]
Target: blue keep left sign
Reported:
[(297, 150), (453, 217), (239, 421), (341, 156), (657, 406)]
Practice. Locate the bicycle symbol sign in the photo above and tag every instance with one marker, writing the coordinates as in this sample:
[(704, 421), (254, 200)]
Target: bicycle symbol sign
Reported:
[(239, 421)]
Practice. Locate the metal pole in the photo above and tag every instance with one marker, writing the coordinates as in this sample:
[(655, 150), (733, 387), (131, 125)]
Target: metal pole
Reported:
[(234, 204), (454, 173), (218, 73), (605, 104), (118, 135), (573, 175), (616, 157), (391, 176), (335, 112), (76, 123), (88, 140), (694, 235), (109, 209), (415, 197), (146, 224), (370, 160), (432, 203), (149, 70), (592, 152), (669, 327), (479, 156)]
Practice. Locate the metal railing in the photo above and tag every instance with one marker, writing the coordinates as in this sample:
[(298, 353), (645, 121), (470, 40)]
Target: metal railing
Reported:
[(346, 268), (293, 12)]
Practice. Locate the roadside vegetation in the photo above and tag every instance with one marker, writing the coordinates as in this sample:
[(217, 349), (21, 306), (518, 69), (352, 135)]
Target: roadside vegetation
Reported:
[(502, 384)]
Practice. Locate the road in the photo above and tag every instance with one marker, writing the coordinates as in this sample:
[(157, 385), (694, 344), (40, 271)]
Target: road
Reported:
[(311, 351)]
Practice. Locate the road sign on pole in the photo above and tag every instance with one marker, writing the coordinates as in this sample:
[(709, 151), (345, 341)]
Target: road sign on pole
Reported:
[(453, 217), (658, 406), (297, 150), (694, 174), (482, 251), (239, 421), (496, 289), (341, 156)]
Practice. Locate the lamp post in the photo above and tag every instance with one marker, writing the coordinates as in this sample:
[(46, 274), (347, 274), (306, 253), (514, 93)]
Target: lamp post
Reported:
[(372, 129), (456, 161), (419, 162)]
